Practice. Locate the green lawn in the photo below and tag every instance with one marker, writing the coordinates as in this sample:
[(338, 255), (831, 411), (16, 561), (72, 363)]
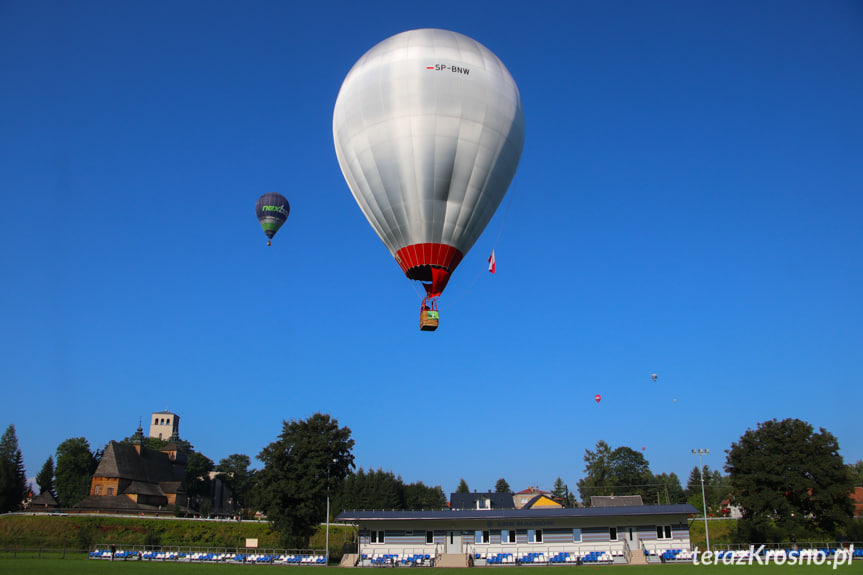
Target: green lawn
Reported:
[(81, 566)]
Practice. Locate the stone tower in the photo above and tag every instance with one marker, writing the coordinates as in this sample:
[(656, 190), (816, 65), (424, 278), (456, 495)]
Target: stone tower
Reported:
[(164, 425)]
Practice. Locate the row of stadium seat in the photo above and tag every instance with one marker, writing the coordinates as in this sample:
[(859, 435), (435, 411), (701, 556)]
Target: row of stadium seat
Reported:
[(597, 557), (668, 554), (396, 559), (560, 557), (211, 557)]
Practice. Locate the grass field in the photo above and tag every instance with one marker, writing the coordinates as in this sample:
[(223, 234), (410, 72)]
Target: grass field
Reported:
[(83, 566)]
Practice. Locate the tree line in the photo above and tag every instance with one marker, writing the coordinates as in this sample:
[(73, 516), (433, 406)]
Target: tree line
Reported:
[(788, 480)]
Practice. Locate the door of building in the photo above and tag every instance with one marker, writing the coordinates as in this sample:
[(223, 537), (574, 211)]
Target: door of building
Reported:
[(453, 542), (631, 535)]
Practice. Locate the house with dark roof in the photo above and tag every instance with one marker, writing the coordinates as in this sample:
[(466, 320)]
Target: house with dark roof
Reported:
[(45, 501), (131, 478), (481, 500), (544, 535)]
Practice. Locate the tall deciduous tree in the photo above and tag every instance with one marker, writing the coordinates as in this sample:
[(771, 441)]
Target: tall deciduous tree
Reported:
[(622, 471), (196, 479), (75, 467), (234, 471), (786, 473), (13, 478), (306, 464), (630, 470), (502, 486)]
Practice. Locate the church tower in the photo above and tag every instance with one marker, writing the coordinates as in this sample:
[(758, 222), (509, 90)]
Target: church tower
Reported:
[(164, 425)]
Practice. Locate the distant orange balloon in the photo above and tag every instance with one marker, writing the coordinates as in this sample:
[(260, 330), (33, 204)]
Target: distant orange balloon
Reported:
[(597, 397)]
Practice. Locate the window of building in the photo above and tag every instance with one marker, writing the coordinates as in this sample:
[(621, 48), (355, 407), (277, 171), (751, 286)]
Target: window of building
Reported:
[(663, 531), (612, 533), (376, 537), (156, 421), (429, 537), (110, 491), (481, 537), (96, 490), (539, 535), (521, 534), (576, 535), (168, 421)]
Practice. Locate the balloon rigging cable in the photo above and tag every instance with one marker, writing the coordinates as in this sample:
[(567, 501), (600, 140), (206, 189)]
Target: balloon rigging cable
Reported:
[(513, 189)]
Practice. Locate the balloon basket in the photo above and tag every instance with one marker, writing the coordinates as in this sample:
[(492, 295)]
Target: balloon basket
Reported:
[(429, 317)]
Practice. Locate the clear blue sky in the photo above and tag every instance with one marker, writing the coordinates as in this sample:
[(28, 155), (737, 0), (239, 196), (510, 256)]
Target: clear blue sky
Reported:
[(689, 203)]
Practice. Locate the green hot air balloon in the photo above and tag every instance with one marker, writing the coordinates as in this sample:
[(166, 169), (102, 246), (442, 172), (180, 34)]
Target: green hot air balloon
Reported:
[(272, 210)]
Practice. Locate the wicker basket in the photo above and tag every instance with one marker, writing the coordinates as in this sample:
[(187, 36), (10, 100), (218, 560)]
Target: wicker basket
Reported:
[(428, 320)]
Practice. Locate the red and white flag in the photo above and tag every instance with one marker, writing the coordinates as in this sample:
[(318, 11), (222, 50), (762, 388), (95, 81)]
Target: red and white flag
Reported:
[(491, 262)]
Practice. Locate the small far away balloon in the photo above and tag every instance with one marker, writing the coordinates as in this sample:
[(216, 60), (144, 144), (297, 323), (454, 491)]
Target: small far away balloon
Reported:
[(272, 210), (597, 397)]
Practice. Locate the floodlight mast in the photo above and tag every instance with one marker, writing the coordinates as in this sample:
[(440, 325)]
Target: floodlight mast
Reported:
[(701, 452), (327, 554)]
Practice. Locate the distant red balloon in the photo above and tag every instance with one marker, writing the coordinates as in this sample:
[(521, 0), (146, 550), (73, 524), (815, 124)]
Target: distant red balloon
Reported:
[(597, 397), (642, 448)]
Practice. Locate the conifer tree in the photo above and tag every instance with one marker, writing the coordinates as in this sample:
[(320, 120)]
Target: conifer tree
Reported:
[(462, 487), (45, 477), (13, 478)]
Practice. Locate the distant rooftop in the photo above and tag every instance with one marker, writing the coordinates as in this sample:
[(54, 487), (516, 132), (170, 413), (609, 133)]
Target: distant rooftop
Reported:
[(615, 500)]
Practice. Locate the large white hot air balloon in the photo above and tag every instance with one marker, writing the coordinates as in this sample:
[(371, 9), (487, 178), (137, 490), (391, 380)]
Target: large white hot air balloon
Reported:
[(428, 129)]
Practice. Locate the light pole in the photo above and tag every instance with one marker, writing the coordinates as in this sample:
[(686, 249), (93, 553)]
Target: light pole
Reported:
[(701, 452), (327, 554)]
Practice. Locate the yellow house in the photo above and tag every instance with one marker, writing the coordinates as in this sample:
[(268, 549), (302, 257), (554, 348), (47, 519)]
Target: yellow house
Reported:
[(542, 501)]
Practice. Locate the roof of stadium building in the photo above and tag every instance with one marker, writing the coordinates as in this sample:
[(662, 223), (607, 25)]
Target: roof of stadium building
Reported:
[(535, 513)]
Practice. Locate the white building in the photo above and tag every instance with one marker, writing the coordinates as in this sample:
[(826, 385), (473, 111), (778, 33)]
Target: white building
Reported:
[(631, 534)]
